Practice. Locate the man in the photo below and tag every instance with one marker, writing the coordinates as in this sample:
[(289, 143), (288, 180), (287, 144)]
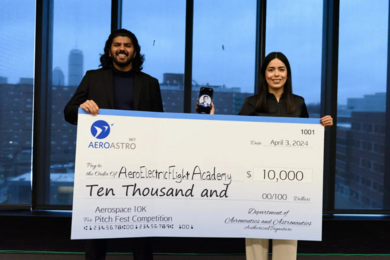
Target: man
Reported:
[(205, 102), (119, 84)]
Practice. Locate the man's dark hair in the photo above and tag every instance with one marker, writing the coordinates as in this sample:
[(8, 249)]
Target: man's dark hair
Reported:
[(106, 60)]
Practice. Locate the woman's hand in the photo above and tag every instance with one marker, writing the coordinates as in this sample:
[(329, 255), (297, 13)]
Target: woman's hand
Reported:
[(326, 121), (212, 111)]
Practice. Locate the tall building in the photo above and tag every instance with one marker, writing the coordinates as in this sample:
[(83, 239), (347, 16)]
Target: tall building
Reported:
[(58, 77), (360, 153), (16, 112), (75, 70)]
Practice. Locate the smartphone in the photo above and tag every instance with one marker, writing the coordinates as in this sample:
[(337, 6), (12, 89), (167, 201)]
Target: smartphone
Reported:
[(205, 99)]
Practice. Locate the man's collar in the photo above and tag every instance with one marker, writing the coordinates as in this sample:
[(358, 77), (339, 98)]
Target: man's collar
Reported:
[(129, 73)]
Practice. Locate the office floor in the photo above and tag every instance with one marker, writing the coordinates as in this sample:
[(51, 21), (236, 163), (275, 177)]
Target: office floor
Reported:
[(38, 237), (184, 257)]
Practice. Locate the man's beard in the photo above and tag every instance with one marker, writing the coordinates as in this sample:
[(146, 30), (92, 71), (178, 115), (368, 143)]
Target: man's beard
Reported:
[(122, 64)]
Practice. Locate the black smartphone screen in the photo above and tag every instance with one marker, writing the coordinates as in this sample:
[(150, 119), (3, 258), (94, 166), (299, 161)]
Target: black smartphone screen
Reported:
[(205, 99)]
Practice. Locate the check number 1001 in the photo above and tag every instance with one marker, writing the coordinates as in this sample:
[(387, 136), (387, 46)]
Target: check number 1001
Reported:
[(282, 174)]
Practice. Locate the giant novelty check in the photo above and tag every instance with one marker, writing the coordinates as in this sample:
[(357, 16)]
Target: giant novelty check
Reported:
[(189, 175)]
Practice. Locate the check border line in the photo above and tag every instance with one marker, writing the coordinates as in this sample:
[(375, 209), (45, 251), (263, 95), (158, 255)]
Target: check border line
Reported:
[(264, 119)]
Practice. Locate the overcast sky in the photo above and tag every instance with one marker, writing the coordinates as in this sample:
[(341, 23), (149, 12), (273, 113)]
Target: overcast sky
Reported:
[(224, 40)]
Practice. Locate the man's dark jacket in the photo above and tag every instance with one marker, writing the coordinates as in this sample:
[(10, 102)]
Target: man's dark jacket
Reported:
[(97, 85)]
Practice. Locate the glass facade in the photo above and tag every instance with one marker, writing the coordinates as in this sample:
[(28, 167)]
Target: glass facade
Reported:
[(80, 30), (224, 52), (159, 26), (297, 33), (362, 80), (223, 58), (17, 37)]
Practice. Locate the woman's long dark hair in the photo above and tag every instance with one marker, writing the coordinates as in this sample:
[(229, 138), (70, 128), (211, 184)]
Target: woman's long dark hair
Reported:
[(106, 60), (261, 104)]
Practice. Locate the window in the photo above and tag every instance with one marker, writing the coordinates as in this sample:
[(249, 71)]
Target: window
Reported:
[(224, 52), (297, 32), (367, 128), (341, 141), (379, 148), (159, 26), (366, 164), (356, 126), (379, 168), (357, 143), (357, 178), (362, 96), (17, 26), (367, 146), (380, 129), (80, 30)]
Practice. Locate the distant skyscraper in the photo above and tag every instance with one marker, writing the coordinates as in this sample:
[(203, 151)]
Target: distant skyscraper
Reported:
[(75, 72), (58, 77)]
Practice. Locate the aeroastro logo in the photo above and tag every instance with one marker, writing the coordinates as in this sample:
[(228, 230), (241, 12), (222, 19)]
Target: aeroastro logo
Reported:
[(100, 129)]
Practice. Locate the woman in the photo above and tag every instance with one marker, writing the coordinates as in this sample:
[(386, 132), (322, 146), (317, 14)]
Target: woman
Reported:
[(275, 98)]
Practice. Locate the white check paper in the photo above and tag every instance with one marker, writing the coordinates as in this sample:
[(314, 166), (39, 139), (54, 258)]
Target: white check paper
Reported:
[(183, 175)]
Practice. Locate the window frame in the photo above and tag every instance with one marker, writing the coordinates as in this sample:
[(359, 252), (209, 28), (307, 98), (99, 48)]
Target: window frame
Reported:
[(329, 93)]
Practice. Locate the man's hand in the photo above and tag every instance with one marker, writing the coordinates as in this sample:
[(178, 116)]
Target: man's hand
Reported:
[(90, 107)]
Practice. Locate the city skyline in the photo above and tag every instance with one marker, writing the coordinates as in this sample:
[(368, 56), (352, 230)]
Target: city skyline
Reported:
[(360, 130), (163, 45)]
